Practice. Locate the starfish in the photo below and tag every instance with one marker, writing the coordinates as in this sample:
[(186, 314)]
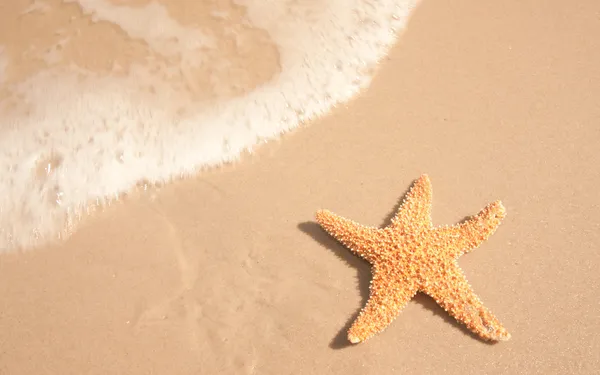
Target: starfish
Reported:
[(411, 256)]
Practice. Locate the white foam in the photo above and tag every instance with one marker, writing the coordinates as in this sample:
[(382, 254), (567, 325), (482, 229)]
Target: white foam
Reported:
[(153, 24), (88, 136)]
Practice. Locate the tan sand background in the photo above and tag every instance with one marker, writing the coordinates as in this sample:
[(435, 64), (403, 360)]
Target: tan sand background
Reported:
[(228, 274)]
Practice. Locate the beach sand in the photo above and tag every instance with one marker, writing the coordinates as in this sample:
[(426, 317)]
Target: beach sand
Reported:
[(228, 273)]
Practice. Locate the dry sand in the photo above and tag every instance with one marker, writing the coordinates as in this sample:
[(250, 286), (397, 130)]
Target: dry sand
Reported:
[(227, 273)]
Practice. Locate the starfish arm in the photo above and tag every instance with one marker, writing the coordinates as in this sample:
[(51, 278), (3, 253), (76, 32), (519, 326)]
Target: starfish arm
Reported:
[(462, 238), (416, 208), (454, 294), (361, 240), (386, 300)]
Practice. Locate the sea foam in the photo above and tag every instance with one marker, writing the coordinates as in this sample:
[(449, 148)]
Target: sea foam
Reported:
[(75, 130)]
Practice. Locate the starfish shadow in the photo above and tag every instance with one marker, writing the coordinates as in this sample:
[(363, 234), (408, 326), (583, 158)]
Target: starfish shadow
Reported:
[(363, 274), (340, 341)]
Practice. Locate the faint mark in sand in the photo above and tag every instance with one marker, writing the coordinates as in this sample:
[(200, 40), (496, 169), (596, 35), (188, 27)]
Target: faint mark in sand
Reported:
[(37, 6), (181, 304), (213, 332), (3, 64)]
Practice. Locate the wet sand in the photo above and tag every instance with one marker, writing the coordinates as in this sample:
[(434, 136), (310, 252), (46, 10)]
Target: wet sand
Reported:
[(228, 273)]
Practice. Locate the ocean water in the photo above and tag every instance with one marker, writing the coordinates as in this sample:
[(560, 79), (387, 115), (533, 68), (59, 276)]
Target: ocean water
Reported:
[(97, 96)]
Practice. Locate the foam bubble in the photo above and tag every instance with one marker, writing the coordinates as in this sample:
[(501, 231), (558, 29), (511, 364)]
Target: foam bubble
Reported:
[(81, 131)]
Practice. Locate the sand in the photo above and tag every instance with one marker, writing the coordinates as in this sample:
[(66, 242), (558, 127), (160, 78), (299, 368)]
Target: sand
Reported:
[(228, 273)]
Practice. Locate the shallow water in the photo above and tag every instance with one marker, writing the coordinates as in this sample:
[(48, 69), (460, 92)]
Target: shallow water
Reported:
[(98, 95)]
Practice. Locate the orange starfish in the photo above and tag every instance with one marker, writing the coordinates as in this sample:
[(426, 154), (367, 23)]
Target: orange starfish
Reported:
[(410, 255)]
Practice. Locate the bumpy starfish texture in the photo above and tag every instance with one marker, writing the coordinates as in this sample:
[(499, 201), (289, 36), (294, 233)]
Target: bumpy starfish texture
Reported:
[(410, 255)]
